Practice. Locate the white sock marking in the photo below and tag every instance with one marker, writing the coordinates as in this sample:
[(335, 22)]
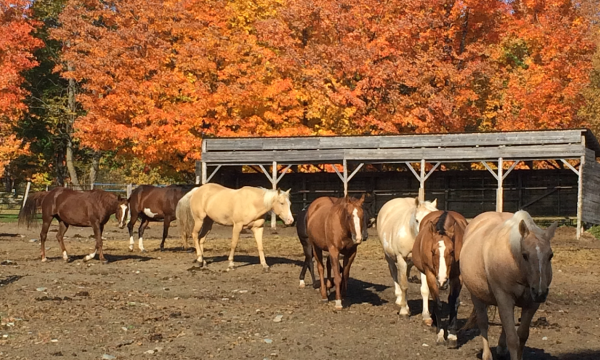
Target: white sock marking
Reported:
[(302, 284), (65, 256), (357, 225), (141, 243), (338, 303), (442, 276), (149, 213), (131, 243), (452, 337), (90, 256), (440, 335)]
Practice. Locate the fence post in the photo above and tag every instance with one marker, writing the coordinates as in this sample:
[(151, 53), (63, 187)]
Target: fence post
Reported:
[(129, 190), (26, 193)]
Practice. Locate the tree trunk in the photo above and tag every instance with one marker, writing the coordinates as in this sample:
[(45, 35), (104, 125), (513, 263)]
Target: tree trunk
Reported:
[(94, 168), (70, 122)]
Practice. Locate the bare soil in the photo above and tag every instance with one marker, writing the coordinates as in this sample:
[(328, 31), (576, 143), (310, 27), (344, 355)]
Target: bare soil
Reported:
[(157, 304)]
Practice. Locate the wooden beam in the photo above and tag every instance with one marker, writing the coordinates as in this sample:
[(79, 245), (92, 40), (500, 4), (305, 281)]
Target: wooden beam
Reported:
[(511, 168), (492, 171), (355, 171), (500, 190), (213, 173), (571, 166)]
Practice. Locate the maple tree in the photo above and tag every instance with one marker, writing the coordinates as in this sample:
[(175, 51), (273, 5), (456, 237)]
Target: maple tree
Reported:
[(16, 56), (158, 76)]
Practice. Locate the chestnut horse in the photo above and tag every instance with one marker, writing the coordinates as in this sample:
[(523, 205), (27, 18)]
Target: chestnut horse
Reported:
[(152, 203), (436, 254), (77, 208), (505, 261), (240, 208), (308, 250), (336, 225)]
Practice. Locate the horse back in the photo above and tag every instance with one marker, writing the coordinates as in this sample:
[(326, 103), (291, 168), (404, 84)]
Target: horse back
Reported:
[(80, 208), (227, 206), (393, 226), (316, 215)]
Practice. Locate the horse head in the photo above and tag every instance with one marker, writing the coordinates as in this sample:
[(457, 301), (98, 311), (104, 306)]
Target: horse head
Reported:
[(122, 211), (282, 206), (422, 208), (354, 218), (534, 259), (443, 246)]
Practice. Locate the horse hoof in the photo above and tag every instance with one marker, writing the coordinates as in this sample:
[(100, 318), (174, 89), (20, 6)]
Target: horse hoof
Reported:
[(428, 322), (45, 260), (162, 249), (104, 262), (338, 305), (452, 344), (189, 250), (130, 249), (324, 301), (302, 284), (68, 260), (143, 250), (266, 269)]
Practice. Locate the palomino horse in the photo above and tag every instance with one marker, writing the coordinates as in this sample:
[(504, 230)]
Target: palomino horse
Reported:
[(77, 208), (151, 203), (505, 261), (436, 254), (308, 249), (397, 227), (336, 226), (185, 220), (241, 208)]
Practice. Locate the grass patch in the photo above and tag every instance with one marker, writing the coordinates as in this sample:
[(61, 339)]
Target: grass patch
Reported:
[(595, 231), (9, 218)]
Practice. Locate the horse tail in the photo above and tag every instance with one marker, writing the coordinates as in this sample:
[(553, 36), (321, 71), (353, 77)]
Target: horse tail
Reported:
[(183, 213), (28, 211)]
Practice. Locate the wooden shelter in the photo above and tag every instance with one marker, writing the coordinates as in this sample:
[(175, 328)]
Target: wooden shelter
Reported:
[(496, 148)]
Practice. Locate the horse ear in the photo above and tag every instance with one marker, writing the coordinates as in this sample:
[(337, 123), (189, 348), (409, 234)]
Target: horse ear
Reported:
[(550, 230), (288, 192), (362, 198), (434, 203), (523, 230)]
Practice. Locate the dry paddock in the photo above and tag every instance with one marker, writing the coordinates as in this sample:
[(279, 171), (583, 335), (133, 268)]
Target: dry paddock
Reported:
[(157, 305)]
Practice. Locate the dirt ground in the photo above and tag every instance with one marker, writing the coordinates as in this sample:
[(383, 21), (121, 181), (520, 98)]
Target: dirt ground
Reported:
[(155, 304)]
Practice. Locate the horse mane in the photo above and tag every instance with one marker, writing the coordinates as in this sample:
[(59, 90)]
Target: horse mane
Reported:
[(514, 235), (439, 226), (270, 196)]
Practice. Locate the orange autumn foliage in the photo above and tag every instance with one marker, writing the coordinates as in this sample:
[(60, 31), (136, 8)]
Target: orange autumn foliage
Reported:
[(16, 56), (160, 75)]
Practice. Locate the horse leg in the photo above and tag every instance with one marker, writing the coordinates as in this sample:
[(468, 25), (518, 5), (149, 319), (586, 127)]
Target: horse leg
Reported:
[(337, 277), (99, 244), (502, 349), (329, 279), (97, 235), (307, 259), (437, 306), (319, 256), (311, 268), (258, 235), (166, 224), (235, 237), (455, 287), (130, 225), (141, 229), (397, 291), (43, 235), (523, 330), (201, 229), (425, 295), (346, 271), (482, 324), (402, 267), (62, 229), (506, 308)]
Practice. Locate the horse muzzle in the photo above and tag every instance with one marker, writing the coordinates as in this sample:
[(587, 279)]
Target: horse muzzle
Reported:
[(444, 286), (289, 221), (356, 241)]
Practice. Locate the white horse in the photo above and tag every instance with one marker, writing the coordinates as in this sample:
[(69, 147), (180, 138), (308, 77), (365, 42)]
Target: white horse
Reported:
[(397, 226)]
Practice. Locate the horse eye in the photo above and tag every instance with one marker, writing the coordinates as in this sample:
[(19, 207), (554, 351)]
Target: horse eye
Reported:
[(525, 257)]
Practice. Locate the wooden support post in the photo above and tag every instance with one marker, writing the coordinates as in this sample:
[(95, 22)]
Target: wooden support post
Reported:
[(422, 182), (198, 172), (274, 184), (500, 190), (204, 174), (580, 196), (129, 190), (345, 179)]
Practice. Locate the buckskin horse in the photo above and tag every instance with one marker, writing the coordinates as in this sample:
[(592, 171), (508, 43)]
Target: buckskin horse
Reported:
[(241, 208), (436, 254), (336, 225), (505, 261), (76, 208), (397, 226), (152, 203)]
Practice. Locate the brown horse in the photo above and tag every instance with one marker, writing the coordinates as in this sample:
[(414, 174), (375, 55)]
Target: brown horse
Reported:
[(336, 225), (151, 203), (77, 208), (505, 261), (436, 254)]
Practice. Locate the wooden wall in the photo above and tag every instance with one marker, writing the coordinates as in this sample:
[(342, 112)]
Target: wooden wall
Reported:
[(544, 193)]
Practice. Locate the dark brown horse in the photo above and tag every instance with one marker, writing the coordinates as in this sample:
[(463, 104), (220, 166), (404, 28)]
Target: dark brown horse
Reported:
[(336, 225), (77, 208), (436, 254), (151, 203)]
